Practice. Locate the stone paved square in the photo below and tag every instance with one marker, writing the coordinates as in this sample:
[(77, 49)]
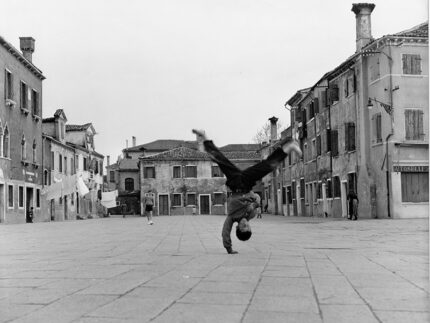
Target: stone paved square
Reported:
[(291, 270)]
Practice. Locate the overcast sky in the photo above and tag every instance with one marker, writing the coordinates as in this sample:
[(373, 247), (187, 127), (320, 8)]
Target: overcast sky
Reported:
[(156, 69)]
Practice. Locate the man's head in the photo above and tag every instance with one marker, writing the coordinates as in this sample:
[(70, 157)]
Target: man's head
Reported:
[(243, 230)]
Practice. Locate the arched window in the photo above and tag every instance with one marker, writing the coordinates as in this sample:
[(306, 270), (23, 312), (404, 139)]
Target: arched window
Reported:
[(45, 177), (23, 148), (34, 151), (129, 184), (6, 142)]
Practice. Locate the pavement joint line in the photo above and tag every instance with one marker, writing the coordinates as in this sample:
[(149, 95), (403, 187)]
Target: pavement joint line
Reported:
[(395, 273), (314, 292), (358, 293), (187, 292), (255, 289)]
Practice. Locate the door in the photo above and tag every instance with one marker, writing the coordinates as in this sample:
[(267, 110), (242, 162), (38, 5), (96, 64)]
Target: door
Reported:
[(66, 216), (343, 193), (29, 203), (2, 204), (163, 204), (204, 204)]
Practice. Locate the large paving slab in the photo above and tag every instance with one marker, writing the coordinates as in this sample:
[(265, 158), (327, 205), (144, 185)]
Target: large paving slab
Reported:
[(291, 270)]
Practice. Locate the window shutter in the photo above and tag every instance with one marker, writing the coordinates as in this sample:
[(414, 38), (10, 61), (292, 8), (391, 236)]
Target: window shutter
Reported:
[(318, 145), (328, 137), (420, 125), (334, 143), (298, 115), (378, 128), (304, 116), (316, 106), (416, 64), (405, 63), (408, 124), (347, 142), (351, 136), (334, 93)]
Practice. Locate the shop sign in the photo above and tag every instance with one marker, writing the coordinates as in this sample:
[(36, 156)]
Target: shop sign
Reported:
[(411, 169)]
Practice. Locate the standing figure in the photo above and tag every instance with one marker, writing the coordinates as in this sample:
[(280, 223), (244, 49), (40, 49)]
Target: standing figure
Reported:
[(352, 205), (258, 209), (30, 215), (242, 202), (148, 202)]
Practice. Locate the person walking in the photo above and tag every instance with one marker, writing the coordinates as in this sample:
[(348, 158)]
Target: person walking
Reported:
[(242, 203), (258, 209), (148, 202), (352, 205)]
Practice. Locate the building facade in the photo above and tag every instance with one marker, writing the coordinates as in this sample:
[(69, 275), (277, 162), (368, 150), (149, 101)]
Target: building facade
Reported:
[(20, 133), (363, 127)]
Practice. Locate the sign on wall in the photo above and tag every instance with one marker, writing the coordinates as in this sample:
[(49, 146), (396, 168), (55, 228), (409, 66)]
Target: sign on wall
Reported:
[(411, 169)]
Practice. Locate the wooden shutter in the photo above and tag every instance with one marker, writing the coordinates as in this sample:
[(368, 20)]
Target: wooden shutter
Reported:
[(378, 128), (406, 64), (351, 135), (328, 137), (409, 124), (318, 145), (420, 125), (334, 143), (334, 93), (415, 64), (347, 143), (316, 106)]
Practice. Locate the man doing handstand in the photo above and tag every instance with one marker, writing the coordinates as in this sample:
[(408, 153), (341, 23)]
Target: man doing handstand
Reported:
[(242, 203)]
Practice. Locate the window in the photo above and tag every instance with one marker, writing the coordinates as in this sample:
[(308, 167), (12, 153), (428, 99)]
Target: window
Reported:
[(101, 168), (216, 171), (334, 143), (415, 187), (315, 105), (177, 199), (45, 177), (336, 186), (8, 85), (20, 196), (411, 64), (349, 136), (314, 149), (34, 151), (10, 196), (218, 198), (65, 165), (72, 166), (85, 163), (319, 190), (176, 171), (23, 148), (149, 172), (24, 96), (289, 195), (129, 184), (191, 199), (293, 190), (328, 139), (38, 198), (377, 128), (284, 195), (333, 93), (35, 102), (60, 163), (6, 142), (318, 144), (414, 125), (72, 199), (112, 176), (329, 189), (190, 171), (311, 111), (302, 188)]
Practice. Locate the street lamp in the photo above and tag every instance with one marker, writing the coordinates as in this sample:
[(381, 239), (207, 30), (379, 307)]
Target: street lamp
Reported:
[(388, 108)]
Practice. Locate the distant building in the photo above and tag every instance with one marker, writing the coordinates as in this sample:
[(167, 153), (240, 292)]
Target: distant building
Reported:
[(20, 133), (364, 127)]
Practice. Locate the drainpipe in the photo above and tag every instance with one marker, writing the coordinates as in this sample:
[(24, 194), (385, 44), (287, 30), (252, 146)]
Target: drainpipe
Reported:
[(390, 66)]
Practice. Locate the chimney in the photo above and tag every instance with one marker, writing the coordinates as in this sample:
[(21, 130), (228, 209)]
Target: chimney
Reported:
[(273, 129), (133, 140), (362, 24), (27, 47), (108, 160), (126, 143)]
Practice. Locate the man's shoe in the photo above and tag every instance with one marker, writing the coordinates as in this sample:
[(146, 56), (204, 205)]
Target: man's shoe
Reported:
[(231, 251)]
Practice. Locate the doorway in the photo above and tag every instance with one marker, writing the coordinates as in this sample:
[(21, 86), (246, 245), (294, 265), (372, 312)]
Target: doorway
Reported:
[(2, 204), (28, 203), (66, 215), (163, 204), (204, 204), (343, 193)]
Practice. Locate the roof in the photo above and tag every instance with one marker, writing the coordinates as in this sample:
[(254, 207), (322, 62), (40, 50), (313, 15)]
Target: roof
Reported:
[(37, 72), (184, 153), (240, 147), (421, 30), (129, 164), (162, 145), (46, 120), (75, 127), (179, 153)]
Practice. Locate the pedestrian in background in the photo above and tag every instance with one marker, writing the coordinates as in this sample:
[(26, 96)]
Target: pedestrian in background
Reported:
[(148, 202), (353, 205)]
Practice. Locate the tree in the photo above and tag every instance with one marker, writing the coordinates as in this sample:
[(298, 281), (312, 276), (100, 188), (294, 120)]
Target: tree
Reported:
[(263, 135)]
